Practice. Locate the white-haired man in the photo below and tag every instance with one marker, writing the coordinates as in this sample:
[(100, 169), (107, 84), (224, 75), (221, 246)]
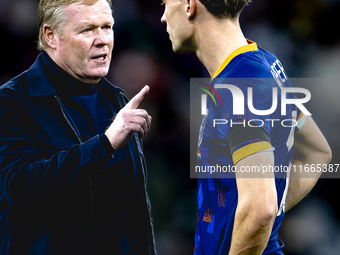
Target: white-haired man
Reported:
[(72, 180)]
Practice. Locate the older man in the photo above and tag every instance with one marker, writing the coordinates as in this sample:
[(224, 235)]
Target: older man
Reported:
[(72, 180)]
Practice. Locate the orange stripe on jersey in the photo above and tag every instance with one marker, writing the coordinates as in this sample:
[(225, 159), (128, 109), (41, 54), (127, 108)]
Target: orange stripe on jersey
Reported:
[(301, 114), (251, 46), (249, 150)]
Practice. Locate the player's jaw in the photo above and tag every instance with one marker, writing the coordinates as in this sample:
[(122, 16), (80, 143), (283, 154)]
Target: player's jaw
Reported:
[(177, 26), (181, 41)]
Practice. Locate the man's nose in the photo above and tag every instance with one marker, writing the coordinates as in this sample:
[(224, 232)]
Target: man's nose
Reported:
[(103, 37)]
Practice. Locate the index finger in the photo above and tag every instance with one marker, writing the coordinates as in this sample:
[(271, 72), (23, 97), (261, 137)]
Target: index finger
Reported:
[(135, 101)]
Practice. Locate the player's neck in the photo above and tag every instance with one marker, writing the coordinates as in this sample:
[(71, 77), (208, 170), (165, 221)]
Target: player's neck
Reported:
[(216, 40)]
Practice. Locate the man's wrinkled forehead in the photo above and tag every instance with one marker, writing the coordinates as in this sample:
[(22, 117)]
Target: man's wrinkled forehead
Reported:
[(84, 10), (73, 4), (87, 2)]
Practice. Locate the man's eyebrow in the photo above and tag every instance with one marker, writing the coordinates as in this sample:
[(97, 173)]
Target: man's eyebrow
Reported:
[(84, 25)]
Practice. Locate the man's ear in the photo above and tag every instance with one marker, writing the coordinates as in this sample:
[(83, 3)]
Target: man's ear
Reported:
[(191, 9), (50, 36)]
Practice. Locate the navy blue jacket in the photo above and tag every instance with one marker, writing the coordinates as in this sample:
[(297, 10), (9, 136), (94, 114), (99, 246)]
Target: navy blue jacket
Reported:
[(56, 196)]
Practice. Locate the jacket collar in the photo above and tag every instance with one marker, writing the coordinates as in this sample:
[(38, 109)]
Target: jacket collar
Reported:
[(39, 85)]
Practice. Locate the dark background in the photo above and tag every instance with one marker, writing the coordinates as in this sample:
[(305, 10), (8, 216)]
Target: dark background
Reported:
[(304, 35)]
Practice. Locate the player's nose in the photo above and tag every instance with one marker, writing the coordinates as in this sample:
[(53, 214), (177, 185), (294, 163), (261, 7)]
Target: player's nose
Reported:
[(163, 18)]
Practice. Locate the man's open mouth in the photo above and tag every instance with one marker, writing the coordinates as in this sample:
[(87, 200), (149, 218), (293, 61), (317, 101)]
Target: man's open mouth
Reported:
[(100, 57)]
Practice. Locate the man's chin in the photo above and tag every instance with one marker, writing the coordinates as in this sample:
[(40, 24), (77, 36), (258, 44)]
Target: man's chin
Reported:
[(94, 78), (98, 74)]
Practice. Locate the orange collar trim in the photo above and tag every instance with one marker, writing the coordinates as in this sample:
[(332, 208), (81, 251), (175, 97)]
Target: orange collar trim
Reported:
[(252, 46)]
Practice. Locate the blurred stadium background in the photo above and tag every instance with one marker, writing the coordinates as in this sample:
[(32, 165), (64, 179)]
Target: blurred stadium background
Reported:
[(304, 34)]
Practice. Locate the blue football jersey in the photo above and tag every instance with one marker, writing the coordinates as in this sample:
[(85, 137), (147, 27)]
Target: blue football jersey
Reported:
[(256, 71)]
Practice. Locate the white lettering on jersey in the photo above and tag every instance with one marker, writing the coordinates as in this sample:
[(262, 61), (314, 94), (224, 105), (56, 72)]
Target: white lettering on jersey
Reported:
[(278, 73)]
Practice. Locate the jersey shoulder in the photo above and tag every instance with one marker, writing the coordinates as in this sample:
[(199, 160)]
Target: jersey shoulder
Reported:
[(259, 69), (253, 64)]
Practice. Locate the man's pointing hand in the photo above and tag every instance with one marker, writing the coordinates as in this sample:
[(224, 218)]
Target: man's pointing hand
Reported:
[(129, 120)]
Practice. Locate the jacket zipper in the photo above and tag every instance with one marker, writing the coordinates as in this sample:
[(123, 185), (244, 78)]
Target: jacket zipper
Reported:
[(68, 122), (150, 236), (90, 183)]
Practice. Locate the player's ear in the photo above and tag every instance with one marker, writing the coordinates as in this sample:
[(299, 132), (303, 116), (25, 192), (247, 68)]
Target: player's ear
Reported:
[(50, 36), (191, 9)]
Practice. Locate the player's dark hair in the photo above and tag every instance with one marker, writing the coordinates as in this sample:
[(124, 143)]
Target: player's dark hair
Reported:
[(225, 8)]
